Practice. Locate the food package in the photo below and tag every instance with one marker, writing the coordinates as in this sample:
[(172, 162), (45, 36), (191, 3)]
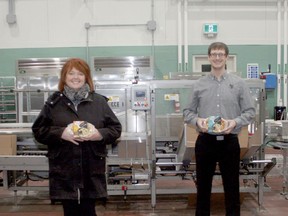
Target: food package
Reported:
[(81, 128), (215, 124)]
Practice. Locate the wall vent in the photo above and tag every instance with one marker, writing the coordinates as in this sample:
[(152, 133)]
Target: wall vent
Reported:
[(40, 66), (122, 68)]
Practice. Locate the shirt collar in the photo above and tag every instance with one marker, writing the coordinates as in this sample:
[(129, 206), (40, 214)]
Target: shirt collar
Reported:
[(223, 77)]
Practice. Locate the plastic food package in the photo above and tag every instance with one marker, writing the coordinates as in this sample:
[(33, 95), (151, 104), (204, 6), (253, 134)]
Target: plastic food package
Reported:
[(215, 124), (81, 128)]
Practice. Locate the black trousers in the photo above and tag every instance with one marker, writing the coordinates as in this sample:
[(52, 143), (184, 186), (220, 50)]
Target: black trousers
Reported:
[(85, 208), (225, 150)]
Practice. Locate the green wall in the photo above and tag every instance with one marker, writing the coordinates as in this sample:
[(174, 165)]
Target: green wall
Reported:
[(165, 58)]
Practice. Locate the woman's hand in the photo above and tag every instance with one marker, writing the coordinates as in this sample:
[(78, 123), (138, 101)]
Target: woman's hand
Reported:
[(94, 136), (67, 135)]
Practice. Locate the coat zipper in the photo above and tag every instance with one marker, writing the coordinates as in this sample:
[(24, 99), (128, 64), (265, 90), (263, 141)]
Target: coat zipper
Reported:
[(78, 191)]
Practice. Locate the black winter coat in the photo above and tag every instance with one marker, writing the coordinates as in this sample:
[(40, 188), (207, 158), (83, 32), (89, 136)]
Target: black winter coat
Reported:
[(76, 171)]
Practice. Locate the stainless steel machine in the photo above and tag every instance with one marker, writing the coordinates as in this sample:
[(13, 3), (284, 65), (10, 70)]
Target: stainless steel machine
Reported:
[(166, 152), (36, 79), (166, 96), (155, 146)]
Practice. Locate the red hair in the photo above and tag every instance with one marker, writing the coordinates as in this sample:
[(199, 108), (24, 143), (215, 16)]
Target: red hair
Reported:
[(80, 65)]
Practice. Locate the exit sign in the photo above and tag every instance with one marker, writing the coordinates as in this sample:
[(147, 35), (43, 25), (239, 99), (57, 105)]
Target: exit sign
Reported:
[(210, 28)]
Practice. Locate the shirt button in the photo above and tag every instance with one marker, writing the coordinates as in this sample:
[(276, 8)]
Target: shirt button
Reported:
[(69, 104), (218, 105)]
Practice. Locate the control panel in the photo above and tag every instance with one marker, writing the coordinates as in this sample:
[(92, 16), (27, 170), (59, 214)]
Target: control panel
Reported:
[(140, 98), (252, 70)]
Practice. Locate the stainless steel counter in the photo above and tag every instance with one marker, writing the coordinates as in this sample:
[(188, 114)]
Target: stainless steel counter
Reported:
[(19, 129)]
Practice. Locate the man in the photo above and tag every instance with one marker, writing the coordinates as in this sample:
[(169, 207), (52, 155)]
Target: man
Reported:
[(223, 95)]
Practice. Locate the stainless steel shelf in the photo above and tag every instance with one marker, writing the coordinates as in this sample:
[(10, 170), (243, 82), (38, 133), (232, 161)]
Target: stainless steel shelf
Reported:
[(8, 105)]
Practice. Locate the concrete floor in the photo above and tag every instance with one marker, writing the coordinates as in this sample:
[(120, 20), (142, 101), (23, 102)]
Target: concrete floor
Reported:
[(38, 203)]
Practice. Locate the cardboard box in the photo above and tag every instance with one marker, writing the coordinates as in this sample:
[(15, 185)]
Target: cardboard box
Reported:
[(186, 148), (244, 138), (243, 141), (8, 144), (254, 143), (192, 134)]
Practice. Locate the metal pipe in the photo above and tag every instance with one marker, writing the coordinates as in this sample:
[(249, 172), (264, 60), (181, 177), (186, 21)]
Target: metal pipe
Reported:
[(185, 35), (11, 7), (153, 38), (28, 90), (179, 7), (147, 141), (118, 25), (285, 54), (153, 145), (172, 163), (279, 83), (11, 17), (87, 26), (260, 161), (194, 163)]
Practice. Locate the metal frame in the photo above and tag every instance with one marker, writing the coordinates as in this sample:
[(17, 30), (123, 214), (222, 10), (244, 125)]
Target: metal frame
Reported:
[(258, 173), (262, 167)]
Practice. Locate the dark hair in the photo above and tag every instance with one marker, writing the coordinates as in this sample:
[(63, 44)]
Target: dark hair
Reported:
[(218, 45), (80, 65)]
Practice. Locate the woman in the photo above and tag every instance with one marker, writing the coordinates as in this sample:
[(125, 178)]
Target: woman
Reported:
[(76, 161)]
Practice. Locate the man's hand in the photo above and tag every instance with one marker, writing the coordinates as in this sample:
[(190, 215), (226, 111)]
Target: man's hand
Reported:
[(202, 124), (231, 124)]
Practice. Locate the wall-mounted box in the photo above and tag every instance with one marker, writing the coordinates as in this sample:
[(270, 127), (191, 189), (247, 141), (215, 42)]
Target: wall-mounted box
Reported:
[(271, 81)]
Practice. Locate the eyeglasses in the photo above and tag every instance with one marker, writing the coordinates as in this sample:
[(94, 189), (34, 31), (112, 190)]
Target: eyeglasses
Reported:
[(220, 55)]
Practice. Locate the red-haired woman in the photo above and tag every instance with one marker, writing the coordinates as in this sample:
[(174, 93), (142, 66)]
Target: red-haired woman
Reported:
[(76, 161)]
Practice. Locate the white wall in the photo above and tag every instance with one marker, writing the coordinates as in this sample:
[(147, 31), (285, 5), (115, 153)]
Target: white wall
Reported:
[(60, 23)]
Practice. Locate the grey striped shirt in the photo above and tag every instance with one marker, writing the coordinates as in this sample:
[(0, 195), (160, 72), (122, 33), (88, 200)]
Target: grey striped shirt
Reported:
[(228, 98)]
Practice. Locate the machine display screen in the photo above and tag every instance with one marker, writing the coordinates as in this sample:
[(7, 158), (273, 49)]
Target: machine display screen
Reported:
[(140, 94), (140, 98)]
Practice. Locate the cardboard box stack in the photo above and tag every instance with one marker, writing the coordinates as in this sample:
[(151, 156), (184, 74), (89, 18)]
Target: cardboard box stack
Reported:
[(8, 144)]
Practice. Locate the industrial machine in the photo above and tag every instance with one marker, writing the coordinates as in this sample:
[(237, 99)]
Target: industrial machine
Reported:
[(155, 146), (180, 164)]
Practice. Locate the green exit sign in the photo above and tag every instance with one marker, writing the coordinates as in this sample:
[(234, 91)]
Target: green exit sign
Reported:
[(210, 28)]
